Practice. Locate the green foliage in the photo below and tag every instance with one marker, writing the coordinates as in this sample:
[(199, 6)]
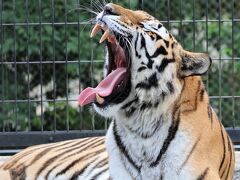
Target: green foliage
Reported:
[(35, 38), (51, 33)]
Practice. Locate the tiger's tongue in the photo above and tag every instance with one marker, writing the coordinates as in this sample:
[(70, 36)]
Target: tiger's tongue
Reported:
[(109, 83), (104, 88)]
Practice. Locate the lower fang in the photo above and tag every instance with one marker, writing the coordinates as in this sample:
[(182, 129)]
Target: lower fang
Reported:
[(99, 99), (105, 36)]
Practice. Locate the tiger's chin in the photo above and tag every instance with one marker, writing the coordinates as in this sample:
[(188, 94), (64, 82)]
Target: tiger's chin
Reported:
[(108, 111)]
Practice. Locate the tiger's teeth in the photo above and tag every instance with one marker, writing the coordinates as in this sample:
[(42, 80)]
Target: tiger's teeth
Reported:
[(99, 99), (95, 30), (105, 36)]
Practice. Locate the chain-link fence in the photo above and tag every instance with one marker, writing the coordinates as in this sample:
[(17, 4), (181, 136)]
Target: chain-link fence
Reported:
[(47, 58)]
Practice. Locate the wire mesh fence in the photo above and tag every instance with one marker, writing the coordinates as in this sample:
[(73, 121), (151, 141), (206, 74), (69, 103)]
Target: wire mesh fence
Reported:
[(47, 58)]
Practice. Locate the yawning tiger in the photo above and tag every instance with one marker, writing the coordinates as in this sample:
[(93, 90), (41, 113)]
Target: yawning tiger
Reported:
[(163, 126)]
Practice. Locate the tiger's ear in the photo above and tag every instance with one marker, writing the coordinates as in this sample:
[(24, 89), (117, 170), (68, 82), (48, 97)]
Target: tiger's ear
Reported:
[(194, 63)]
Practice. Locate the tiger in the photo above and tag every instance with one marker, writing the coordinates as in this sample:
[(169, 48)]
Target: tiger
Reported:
[(162, 127)]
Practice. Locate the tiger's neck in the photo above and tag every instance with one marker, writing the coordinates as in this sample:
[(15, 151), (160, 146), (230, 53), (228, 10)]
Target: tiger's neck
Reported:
[(193, 94), (146, 120), (144, 138)]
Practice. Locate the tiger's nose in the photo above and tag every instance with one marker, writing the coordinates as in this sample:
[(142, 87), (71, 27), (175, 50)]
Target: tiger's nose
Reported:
[(100, 17), (108, 9)]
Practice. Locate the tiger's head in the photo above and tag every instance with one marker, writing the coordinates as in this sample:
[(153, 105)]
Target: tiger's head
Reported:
[(144, 65)]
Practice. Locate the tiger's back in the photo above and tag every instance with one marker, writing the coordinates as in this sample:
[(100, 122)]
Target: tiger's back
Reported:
[(62, 160)]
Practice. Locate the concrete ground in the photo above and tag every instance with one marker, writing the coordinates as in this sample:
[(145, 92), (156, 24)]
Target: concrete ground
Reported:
[(237, 166), (236, 175)]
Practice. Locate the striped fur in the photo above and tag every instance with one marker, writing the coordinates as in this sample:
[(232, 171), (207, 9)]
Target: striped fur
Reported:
[(75, 159), (164, 128)]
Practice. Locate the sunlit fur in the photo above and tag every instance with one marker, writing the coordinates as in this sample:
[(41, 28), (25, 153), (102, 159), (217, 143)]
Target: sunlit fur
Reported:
[(164, 129), (59, 161)]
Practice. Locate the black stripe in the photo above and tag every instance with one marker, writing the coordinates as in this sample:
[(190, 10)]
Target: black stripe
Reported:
[(170, 87), (93, 145), (202, 94), (18, 173), (82, 146), (167, 43), (73, 163), (99, 173), (50, 170), (129, 112), (152, 81), (161, 177), (143, 45), (45, 151), (141, 68), (156, 104), (97, 165), (145, 105), (230, 162), (171, 135), (139, 132), (19, 156), (103, 162), (138, 55), (210, 115), (164, 64), (122, 147), (143, 42), (158, 37), (189, 155), (152, 36), (130, 103), (150, 62), (78, 173), (160, 50), (48, 163), (77, 143), (20, 169), (163, 95), (203, 175), (224, 148)]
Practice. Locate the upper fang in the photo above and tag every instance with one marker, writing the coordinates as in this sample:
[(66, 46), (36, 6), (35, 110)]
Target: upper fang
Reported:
[(95, 30)]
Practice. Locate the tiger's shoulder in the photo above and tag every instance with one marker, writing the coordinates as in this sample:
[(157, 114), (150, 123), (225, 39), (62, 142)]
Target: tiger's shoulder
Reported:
[(208, 135)]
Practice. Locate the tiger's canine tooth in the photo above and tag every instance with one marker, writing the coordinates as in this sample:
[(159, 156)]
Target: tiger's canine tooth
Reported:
[(95, 30), (105, 36), (99, 99)]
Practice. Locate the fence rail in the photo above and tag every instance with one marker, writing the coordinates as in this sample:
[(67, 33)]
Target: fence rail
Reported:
[(11, 142)]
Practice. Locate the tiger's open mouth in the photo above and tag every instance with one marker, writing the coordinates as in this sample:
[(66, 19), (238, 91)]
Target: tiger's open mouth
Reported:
[(115, 87)]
